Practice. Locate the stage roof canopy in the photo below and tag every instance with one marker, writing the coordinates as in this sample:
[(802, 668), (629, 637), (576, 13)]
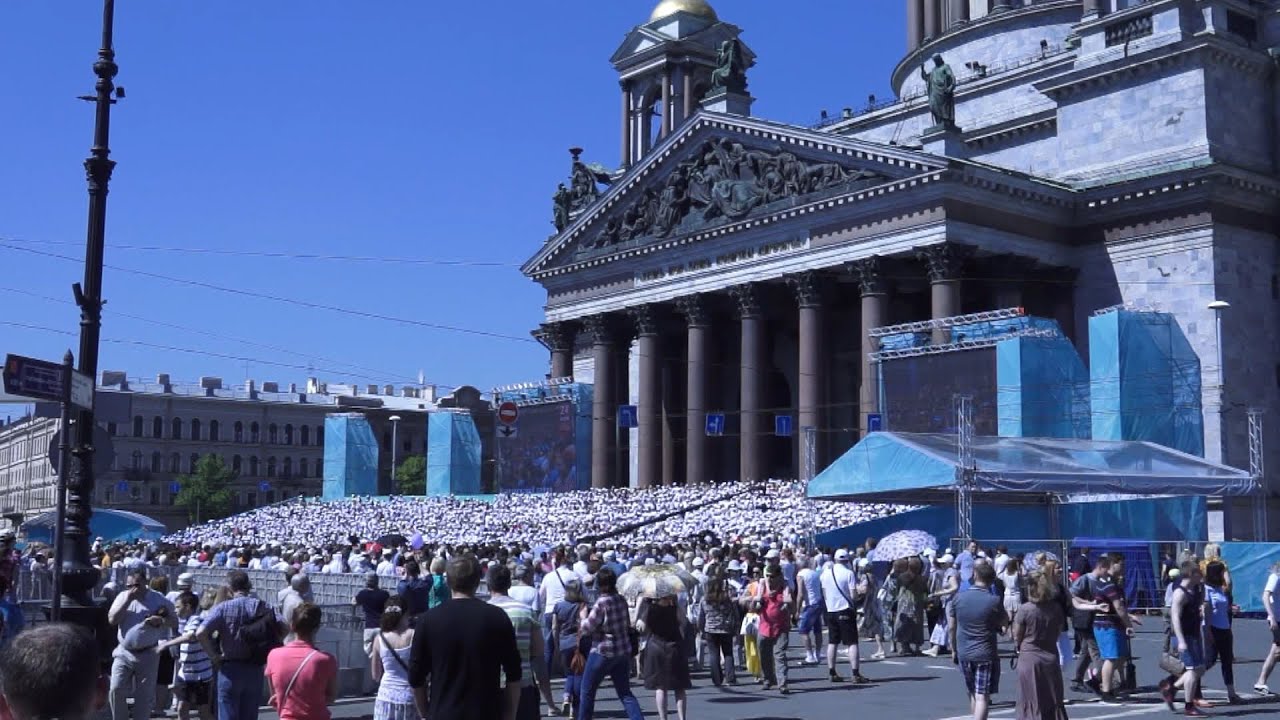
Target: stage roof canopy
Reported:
[(920, 469)]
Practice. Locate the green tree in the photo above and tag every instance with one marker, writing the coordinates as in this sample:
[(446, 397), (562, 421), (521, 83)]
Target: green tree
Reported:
[(206, 494), (411, 476)]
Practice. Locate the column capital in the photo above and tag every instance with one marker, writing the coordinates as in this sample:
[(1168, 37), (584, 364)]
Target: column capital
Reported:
[(747, 297), (645, 318), (695, 310), (809, 287), (868, 274), (944, 260), (602, 329), (557, 336)]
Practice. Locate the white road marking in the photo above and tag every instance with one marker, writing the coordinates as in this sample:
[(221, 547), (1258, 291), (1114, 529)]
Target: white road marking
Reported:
[(941, 667), (890, 662)]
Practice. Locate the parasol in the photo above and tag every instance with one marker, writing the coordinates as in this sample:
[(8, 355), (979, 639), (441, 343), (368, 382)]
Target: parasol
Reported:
[(655, 581), (902, 544), (393, 540)]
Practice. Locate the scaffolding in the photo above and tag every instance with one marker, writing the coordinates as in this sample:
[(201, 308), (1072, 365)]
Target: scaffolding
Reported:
[(1257, 470), (809, 470), (920, 326), (966, 344), (964, 467)]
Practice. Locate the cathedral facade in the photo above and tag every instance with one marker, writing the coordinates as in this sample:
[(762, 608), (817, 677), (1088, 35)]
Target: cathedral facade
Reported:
[(1054, 155)]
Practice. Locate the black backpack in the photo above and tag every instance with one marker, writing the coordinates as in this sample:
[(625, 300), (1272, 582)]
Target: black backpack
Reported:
[(1083, 589), (260, 635)]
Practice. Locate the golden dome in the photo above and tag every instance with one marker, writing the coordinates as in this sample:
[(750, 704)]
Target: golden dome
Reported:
[(667, 8)]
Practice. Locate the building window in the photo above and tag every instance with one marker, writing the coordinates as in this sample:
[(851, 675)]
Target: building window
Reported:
[(213, 431), (177, 429), (288, 434), (174, 460), (107, 496), (320, 435), (195, 429), (195, 460), (319, 468), (112, 429), (287, 469), (135, 493), (302, 467), (239, 431), (137, 459), (155, 496), (271, 467), (253, 466), (273, 435), (235, 464), (157, 427), (271, 496), (251, 499), (156, 462), (137, 426), (304, 433), (254, 433)]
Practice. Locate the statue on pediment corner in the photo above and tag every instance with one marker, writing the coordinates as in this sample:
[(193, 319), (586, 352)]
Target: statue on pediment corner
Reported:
[(730, 74), (562, 206)]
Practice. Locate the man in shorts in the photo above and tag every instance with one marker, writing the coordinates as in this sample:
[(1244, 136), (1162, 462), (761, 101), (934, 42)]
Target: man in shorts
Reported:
[(809, 585), (1270, 601), (838, 589), (976, 617), (1186, 617), (1112, 626)]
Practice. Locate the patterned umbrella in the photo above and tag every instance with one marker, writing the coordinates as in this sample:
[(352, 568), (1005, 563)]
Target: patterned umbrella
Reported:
[(655, 581), (904, 543), (1029, 561)]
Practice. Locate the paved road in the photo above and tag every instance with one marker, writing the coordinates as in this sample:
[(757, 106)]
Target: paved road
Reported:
[(931, 689)]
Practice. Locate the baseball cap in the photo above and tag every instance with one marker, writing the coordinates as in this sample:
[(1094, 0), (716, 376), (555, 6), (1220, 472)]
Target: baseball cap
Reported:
[(842, 555), (184, 580), (697, 562), (771, 555), (734, 566), (947, 559), (863, 562)]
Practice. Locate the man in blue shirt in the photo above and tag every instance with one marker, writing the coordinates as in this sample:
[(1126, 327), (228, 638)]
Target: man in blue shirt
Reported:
[(976, 618), (964, 563)]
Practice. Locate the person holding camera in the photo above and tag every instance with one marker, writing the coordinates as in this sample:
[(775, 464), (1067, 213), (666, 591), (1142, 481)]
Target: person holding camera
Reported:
[(143, 618)]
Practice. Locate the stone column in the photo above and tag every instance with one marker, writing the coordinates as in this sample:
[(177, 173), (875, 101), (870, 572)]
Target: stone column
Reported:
[(751, 381), (667, 109), (603, 426), (559, 338), (932, 19), (1091, 9), (959, 12), (915, 24), (1009, 276), (944, 262), (649, 402), (872, 289), (808, 287), (687, 97), (669, 470), (626, 124), (694, 309)]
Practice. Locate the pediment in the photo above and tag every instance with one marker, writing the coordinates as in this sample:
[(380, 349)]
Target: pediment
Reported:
[(691, 34), (721, 170)]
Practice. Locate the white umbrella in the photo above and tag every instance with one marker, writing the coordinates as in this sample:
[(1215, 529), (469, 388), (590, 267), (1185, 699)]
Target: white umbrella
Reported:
[(655, 581), (902, 544)]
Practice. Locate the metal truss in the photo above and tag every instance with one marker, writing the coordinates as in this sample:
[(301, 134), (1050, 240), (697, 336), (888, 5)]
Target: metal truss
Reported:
[(1257, 470), (926, 325), (965, 467), (967, 344)]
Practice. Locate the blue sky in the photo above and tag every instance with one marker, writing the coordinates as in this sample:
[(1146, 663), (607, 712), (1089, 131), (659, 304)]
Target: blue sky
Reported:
[(423, 130)]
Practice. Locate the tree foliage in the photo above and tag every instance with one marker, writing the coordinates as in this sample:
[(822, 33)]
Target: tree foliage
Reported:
[(206, 494), (411, 476)]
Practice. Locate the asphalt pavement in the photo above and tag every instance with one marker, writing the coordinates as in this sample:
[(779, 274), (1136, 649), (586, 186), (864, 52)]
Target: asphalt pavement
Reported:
[(925, 688)]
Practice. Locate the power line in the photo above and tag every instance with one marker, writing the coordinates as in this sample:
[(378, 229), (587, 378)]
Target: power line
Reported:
[(290, 301), (282, 255)]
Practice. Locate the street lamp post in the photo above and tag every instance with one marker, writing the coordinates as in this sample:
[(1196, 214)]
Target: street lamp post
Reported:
[(1218, 306), (395, 426), (78, 576)]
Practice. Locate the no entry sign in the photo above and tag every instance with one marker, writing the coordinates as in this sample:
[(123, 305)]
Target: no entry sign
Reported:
[(508, 413)]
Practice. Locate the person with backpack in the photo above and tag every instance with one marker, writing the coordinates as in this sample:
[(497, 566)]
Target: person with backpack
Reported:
[(1083, 609), (439, 592), (248, 630)]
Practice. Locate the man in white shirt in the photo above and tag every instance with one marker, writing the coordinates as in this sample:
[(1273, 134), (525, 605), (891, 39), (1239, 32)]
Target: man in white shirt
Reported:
[(1271, 602), (134, 667), (550, 592), (838, 591), (386, 568), (1001, 560)]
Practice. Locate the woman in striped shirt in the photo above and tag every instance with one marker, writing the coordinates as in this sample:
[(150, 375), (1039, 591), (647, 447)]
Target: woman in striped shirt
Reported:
[(194, 684)]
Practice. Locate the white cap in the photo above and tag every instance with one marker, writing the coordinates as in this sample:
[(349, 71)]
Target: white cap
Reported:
[(734, 566), (184, 580), (947, 559), (863, 562), (697, 562), (842, 555), (650, 561), (771, 554), (609, 555)]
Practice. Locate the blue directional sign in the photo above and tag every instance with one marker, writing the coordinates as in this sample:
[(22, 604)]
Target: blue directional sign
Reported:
[(627, 416), (715, 424), (264, 486), (782, 425), (175, 487), (875, 422), (122, 486)]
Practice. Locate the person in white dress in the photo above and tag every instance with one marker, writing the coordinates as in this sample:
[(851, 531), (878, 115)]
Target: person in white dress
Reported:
[(389, 663)]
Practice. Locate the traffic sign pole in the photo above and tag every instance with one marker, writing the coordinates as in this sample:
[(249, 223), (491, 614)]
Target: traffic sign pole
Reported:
[(64, 450)]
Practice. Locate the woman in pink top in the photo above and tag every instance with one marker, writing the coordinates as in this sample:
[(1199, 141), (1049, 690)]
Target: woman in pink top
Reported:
[(303, 680)]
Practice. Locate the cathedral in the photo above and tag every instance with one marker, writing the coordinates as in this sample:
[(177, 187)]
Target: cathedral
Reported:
[(1059, 157)]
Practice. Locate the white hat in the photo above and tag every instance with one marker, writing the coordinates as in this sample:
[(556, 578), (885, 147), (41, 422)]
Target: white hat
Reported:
[(609, 555), (650, 561), (947, 559), (842, 555), (863, 562), (771, 554), (734, 566), (697, 562), (184, 580)]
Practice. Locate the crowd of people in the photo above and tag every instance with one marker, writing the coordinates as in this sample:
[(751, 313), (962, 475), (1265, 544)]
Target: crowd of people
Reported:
[(724, 510)]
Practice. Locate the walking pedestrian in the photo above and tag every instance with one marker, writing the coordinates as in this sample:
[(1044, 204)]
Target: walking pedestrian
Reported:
[(719, 619), (1187, 618), (142, 618), (608, 626), (1037, 625), (665, 664), (533, 672), (1271, 603), (838, 589), (977, 617), (776, 609), (389, 664), (247, 630), (1220, 642), (566, 619), (809, 585)]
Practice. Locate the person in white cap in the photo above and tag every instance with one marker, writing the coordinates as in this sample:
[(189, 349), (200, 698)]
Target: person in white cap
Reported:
[(873, 610), (945, 585), (838, 590)]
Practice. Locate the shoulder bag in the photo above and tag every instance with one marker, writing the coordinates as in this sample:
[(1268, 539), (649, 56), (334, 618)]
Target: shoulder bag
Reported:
[(578, 661), (399, 660), (289, 688)]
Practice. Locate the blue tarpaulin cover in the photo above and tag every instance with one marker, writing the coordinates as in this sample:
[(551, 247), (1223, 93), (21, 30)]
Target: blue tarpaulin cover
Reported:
[(921, 469), (108, 524)]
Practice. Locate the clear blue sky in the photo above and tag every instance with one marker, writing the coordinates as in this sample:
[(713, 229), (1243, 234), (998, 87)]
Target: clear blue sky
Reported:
[(428, 130)]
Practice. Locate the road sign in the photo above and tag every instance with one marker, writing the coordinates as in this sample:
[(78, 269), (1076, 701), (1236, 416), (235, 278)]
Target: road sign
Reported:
[(104, 451), (782, 425), (37, 379), (81, 390), (175, 487), (508, 413), (875, 422), (715, 424), (506, 432), (264, 486), (122, 486), (627, 416)]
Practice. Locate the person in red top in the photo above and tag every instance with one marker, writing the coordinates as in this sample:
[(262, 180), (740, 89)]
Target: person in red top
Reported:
[(776, 608), (303, 680)]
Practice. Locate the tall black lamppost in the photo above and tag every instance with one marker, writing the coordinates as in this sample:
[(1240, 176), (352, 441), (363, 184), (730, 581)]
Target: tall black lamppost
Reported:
[(79, 576)]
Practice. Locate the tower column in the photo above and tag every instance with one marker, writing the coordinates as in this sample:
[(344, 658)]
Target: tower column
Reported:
[(808, 290), (915, 24), (626, 124), (932, 19), (874, 299), (667, 108), (687, 97), (944, 262), (751, 380), (959, 12), (649, 402), (603, 428), (698, 321), (1091, 9)]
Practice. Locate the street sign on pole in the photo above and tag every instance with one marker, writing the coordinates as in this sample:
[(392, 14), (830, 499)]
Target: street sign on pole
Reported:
[(264, 486), (33, 378), (627, 416), (782, 425), (122, 486), (508, 413), (506, 432), (81, 390), (715, 424), (875, 422), (175, 487)]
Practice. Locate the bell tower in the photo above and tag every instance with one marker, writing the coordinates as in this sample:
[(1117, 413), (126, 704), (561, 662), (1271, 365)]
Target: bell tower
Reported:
[(668, 65)]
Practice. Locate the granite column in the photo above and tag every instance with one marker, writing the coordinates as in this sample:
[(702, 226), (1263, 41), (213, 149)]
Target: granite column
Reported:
[(807, 287), (649, 401), (932, 19), (559, 338), (915, 24), (751, 381), (626, 125), (603, 422), (667, 109), (944, 262), (874, 303), (698, 320)]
